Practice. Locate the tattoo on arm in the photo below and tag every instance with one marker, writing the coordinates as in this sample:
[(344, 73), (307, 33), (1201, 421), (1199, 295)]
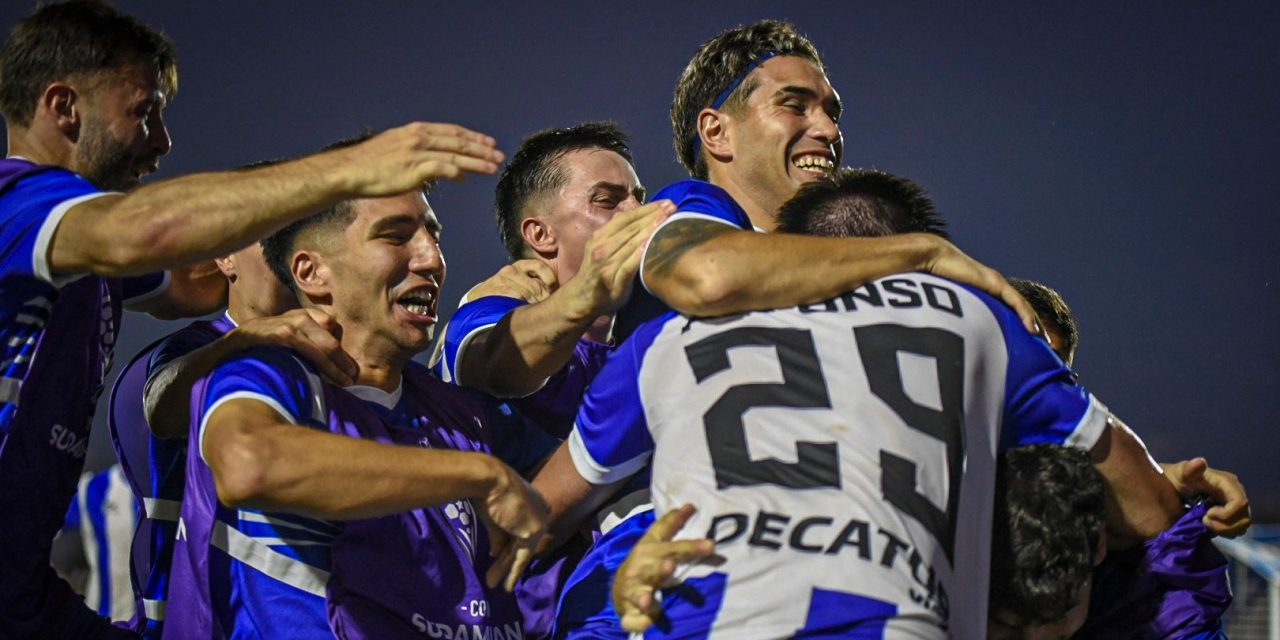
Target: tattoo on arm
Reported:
[(674, 240)]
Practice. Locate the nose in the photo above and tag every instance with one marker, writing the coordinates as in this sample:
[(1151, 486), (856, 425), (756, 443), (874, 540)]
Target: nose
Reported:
[(157, 134), (827, 131), (630, 203), (427, 258)]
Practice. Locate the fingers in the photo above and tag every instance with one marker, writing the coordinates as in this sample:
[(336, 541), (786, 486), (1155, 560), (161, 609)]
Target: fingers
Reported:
[(1020, 306), (632, 228), (522, 557), (669, 524)]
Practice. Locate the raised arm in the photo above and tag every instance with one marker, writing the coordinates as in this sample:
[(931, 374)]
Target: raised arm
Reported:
[(197, 217), (705, 268), (515, 357)]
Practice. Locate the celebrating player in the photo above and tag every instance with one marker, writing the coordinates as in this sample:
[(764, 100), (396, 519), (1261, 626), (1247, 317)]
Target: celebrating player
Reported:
[(153, 392), (371, 494), (82, 90), (848, 443)]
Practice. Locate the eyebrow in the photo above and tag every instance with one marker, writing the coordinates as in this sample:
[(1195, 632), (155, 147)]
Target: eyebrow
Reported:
[(834, 106), (405, 219), (638, 191)]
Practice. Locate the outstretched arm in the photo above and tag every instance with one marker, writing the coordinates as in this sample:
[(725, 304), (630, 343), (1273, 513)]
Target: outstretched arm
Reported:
[(201, 216), (705, 268), (531, 343)]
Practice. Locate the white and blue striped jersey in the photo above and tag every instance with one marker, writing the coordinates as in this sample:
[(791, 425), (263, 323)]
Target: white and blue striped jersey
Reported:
[(106, 514), (842, 454)]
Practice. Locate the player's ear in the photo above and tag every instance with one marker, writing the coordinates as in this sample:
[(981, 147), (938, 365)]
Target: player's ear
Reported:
[(227, 265), (62, 102), (714, 134), (310, 274), (539, 236)]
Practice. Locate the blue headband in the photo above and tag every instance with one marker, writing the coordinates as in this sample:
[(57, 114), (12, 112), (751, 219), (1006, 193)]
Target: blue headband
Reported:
[(728, 91)]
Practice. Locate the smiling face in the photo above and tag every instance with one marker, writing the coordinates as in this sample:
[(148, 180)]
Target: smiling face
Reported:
[(785, 135), (122, 133), (384, 277), (598, 184)]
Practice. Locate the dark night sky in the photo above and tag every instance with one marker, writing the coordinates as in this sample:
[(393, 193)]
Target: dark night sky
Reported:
[(1123, 154)]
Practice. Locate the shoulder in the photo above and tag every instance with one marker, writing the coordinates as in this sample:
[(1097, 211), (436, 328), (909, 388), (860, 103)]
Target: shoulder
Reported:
[(697, 196)]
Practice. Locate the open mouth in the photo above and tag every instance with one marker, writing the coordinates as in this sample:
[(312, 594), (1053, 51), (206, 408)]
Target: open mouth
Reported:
[(420, 304), (818, 164)]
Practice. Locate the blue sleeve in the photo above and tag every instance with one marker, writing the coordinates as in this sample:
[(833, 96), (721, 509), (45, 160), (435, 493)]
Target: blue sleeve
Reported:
[(469, 319), (1043, 404), (271, 375), (138, 288), (72, 522), (29, 214), (177, 345), (699, 199), (610, 438)]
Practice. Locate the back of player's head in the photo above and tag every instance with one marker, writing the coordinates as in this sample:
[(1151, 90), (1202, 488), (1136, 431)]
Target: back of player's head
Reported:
[(860, 203), (535, 169), (1046, 531), (721, 62), (316, 230), (1053, 311), (58, 41)]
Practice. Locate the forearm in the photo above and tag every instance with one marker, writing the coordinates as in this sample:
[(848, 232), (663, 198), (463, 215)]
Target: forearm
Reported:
[(744, 271), (530, 344), (571, 498), (166, 399), (200, 216), (1141, 502), (300, 470)]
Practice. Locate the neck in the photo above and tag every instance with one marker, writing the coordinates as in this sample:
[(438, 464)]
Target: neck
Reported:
[(378, 373), (760, 210), (25, 142)]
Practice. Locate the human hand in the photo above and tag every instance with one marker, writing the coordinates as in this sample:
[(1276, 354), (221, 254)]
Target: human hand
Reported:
[(612, 257), (1193, 478), (650, 565), (402, 159), (531, 280), (948, 261), (314, 334), (516, 517)]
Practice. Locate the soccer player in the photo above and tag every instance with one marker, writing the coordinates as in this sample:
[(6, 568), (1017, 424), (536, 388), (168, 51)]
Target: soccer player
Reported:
[(848, 443), (558, 190), (82, 91), (153, 394), (372, 495), (571, 215), (754, 118)]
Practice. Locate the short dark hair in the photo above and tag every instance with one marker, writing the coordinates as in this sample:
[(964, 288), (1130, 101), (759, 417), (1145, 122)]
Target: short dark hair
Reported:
[(535, 169), (1053, 311), (1047, 523), (717, 64), (278, 248), (860, 203), (81, 36)]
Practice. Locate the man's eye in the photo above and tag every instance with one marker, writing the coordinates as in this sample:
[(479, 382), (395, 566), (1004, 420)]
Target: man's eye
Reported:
[(794, 106)]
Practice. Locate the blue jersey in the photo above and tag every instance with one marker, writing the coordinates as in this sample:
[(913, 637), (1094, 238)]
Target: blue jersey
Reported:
[(57, 333), (553, 406), (154, 467), (842, 454), (248, 573)]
